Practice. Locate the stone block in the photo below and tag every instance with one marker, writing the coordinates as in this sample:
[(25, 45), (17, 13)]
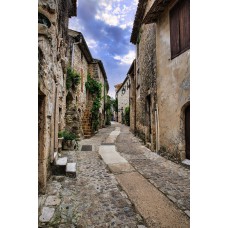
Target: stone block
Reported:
[(71, 170), (52, 201), (47, 214)]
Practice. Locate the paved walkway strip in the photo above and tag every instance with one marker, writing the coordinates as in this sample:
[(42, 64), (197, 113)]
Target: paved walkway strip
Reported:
[(155, 207)]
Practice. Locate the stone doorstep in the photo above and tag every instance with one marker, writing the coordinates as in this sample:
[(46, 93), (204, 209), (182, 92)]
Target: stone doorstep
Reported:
[(59, 167), (71, 170), (61, 161)]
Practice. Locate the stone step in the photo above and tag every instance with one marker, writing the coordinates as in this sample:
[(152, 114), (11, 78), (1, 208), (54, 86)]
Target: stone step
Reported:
[(59, 167), (71, 170), (87, 136)]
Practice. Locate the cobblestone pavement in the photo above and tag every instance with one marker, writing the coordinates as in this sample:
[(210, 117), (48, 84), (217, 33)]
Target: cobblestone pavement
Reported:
[(93, 199), (170, 178)]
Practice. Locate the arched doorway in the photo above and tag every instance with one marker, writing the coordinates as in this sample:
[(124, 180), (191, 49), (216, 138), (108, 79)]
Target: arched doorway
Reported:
[(187, 131)]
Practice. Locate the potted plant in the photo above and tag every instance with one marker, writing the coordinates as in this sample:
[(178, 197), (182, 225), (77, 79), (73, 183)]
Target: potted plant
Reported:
[(69, 141)]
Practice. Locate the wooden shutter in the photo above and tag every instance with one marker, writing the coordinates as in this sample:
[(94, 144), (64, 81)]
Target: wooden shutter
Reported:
[(184, 25), (174, 32)]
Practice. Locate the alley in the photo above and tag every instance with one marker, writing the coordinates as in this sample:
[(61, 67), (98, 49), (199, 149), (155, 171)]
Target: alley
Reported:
[(119, 183)]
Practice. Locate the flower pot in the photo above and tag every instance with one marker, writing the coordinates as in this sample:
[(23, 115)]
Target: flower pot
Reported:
[(69, 144)]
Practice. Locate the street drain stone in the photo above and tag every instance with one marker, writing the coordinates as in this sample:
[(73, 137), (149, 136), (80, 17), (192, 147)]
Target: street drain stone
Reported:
[(86, 148)]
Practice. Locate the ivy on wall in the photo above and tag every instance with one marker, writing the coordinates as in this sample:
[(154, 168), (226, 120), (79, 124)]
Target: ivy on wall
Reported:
[(95, 88), (73, 78)]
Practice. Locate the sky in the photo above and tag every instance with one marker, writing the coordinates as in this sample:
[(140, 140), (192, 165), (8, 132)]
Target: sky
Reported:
[(107, 26)]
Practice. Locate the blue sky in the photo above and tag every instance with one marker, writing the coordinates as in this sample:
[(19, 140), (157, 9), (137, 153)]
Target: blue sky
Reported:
[(106, 26)]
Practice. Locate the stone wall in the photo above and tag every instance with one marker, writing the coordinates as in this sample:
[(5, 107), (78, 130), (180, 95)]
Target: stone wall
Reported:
[(173, 89), (52, 45), (145, 77), (123, 99), (97, 74), (78, 96)]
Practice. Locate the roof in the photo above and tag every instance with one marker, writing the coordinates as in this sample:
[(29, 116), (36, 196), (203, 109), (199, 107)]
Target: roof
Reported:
[(82, 45), (72, 8), (155, 11), (117, 86), (138, 20), (122, 84), (131, 69)]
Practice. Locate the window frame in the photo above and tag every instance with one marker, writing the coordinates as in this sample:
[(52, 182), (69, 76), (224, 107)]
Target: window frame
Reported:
[(177, 7)]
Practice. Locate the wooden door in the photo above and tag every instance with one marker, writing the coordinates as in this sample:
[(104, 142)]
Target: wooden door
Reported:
[(187, 131)]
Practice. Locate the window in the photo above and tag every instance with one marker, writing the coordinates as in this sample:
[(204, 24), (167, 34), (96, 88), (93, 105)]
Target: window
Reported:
[(180, 28), (43, 20)]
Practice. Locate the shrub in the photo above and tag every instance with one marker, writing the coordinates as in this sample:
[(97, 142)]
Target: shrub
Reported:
[(73, 78), (67, 135)]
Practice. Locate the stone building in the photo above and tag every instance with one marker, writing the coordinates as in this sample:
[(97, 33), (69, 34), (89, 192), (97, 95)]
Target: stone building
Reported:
[(97, 71), (122, 95), (132, 96), (52, 45), (79, 100), (144, 37), (167, 54)]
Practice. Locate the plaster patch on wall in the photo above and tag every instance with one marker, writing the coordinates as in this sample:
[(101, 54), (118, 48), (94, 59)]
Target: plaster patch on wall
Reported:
[(185, 84)]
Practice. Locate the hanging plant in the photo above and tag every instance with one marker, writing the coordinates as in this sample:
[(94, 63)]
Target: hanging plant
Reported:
[(73, 78)]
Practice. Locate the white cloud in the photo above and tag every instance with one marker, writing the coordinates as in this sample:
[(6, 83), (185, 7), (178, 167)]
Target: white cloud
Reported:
[(115, 13), (91, 43), (126, 59)]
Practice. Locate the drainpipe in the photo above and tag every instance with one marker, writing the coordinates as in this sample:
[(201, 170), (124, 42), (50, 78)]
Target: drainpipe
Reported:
[(157, 128), (72, 55), (135, 97)]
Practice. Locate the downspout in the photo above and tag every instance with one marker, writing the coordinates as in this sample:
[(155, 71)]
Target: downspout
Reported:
[(157, 128), (72, 55), (135, 97)]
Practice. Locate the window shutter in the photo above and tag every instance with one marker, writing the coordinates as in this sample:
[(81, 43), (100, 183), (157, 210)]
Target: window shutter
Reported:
[(174, 32), (185, 25)]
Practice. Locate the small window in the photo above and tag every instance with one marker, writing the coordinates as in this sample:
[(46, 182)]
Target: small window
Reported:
[(43, 20), (180, 28)]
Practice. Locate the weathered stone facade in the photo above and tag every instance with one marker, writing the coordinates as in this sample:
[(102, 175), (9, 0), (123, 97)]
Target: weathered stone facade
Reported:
[(79, 60), (122, 94), (97, 71), (52, 46), (162, 82), (144, 37), (173, 88), (132, 96), (78, 115)]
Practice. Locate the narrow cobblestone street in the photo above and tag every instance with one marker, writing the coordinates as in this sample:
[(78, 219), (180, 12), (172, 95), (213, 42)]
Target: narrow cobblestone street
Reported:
[(100, 195)]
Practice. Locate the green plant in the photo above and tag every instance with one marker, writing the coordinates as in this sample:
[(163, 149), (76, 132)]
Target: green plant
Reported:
[(127, 116), (66, 135), (60, 134), (73, 78), (108, 106), (95, 88)]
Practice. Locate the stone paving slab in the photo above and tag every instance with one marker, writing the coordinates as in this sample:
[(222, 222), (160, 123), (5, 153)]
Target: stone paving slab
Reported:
[(93, 198), (170, 178), (109, 155), (121, 168), (157, 210)]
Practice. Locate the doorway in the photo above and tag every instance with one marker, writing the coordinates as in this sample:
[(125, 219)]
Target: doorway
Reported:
[(187, 132)]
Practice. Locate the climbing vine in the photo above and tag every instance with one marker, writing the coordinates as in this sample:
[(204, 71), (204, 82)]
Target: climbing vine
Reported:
[(95, 88), (127, 116), (73, 78)]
